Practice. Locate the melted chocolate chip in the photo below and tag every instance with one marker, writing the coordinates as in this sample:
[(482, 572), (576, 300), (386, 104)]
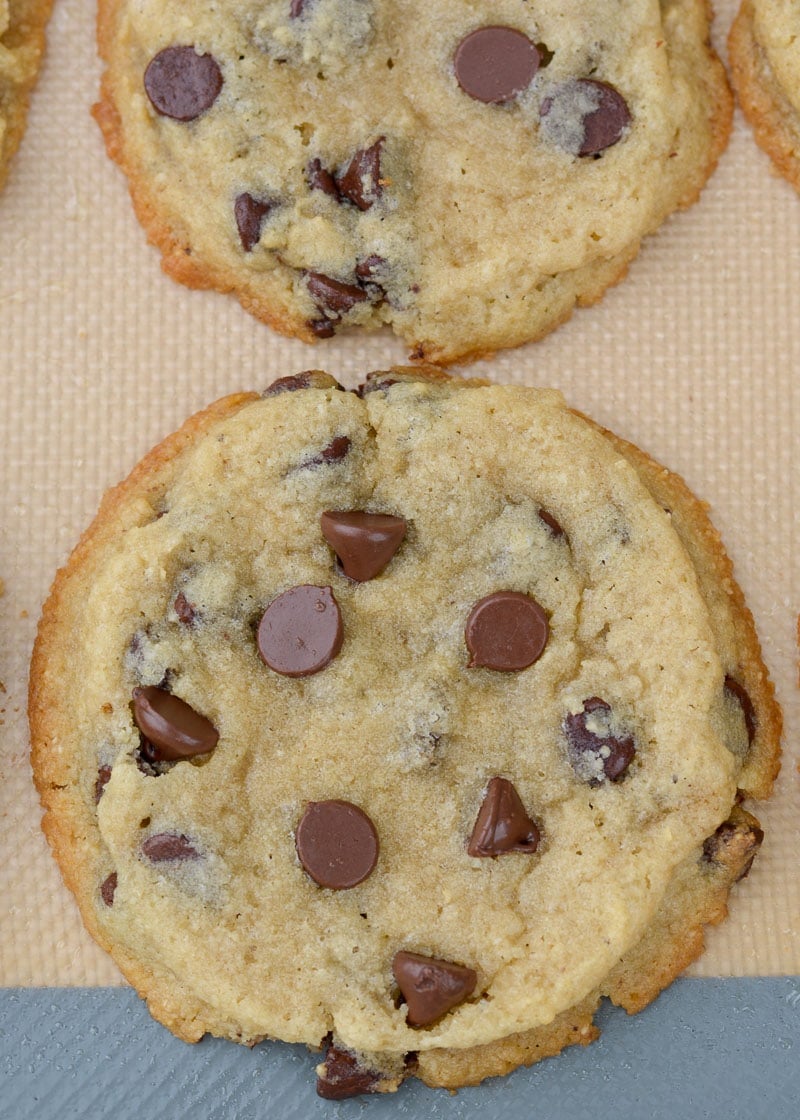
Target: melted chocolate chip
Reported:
[(163, 847), (333, 295), (320, 179), (184, 609), (506, 631), (585, 116), (340, 1076), (360, 182), (301, 631), (740, 693), (364, 542), (503, 825), (431, 987), (108, 888), (495, 64), (337, 844), (173, 729), (551, 523), (103, 775), (250, 213), (181, 83), (594, 753)]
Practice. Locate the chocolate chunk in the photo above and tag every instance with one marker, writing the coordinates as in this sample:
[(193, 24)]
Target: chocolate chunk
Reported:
[(333, 295), (322, 328), (494, 64), (503, 825), (431, 987), (184, 609), (163, 847), (336, 450), (740, 693), (360, 182), (250, 213), (301, 631), (551, 523), (735, 844), (337, 844), (594, 752), (585, 116), (103, 774), (340, 1076), (506, 631), (172, 727), (320, 179), (181, 83), (107, 889), (364, 542)]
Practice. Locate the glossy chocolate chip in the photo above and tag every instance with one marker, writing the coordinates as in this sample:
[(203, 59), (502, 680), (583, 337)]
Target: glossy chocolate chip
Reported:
[(340, 1076), (250, 213), (506, 631), (108, 888), (360, 182), (364, 542), (337, 844), (585, 116), (164, 847), (184, 609), (495, 64), (172, 727), (103, 775), (596, 755), (740, 694), (301, 631), (320, 179), (551, 523), (431, 987), (181, 83), (333, 295), (503, 825)]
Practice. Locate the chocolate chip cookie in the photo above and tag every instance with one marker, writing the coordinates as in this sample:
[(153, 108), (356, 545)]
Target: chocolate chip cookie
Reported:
[(406, 723), (764, 46), (22, 24), (463, 177)]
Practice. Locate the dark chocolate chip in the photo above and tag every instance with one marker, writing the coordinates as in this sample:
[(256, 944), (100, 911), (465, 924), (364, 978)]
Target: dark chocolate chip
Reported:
[(551, 523), (494, 64), (320, 179), (740, 693), (594, 753), (322, 328), (734, 845), (184, 609), (545, 55), (370, 267), (340, 1076), (506, 631), (103, 774), (250, 213), (431, 987), (590, 131), (181, 83), (337, 844), (336, 450), (172, 727), (107, 889), (301, 631), (503, 825), (364, 542), (163, 847), (333, 295), (308, 379), (360, 182)]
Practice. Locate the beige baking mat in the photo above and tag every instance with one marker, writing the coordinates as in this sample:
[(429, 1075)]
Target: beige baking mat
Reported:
[(696, 357)]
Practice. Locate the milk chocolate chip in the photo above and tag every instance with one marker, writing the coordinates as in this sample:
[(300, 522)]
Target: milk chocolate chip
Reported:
[(333, 295), (506, 631), (301, 631), (337, 844), (173, 728), (340, 1076), (364, 542), (181, 83), (250, 213), (596, 755), (503, 825), (431, 987), (163, 847), (585, 116), (494, 64), (360, 182)]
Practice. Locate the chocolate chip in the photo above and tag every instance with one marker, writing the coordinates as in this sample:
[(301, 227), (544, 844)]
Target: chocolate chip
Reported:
[(494, 64), (503, 825), (333, 295), (585, 116), (740, 693), (172, 727), (184, 609), (506, 631), (296, 8), (337, 844), (360, 182), (163, 847), (734, 845), (336, 450), (181, 83), (107, 889), (320, 179), (370, 267), (364, 542), (596, 755), (551, 523), (340, 1076), (103, 774), (308, 379), (431, 987), (250, 213), (301, 631), (322, 328)]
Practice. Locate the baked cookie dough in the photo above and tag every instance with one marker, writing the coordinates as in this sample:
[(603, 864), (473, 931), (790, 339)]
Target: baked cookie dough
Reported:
[(764, 47), (22, 24), (405, 723), (465, 178)]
